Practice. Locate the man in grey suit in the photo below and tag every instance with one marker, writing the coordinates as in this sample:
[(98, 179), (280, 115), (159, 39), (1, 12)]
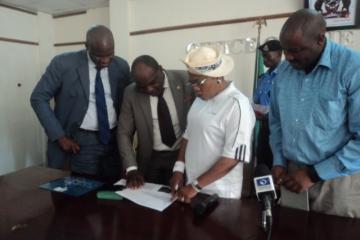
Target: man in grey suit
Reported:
[(155, 107), (87, 87)]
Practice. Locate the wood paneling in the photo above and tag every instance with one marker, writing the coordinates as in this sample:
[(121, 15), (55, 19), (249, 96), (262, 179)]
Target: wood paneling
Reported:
[(69, 14), (68, 44), (18, 41), (18, 9), (208, 24)]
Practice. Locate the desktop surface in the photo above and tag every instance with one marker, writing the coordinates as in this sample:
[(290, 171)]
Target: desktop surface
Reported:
[(28, 212)]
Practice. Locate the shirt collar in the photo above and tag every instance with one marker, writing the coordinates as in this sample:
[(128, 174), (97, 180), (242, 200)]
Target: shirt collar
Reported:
[(224, 93), (274, 72), (325, 59), (166, 81)]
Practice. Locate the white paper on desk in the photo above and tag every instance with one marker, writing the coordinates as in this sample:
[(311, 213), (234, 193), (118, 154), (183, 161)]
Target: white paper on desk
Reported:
[(148, 196)]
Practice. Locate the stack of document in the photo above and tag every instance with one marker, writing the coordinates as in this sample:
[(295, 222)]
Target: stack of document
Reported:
[(154, 196), (295, 200)]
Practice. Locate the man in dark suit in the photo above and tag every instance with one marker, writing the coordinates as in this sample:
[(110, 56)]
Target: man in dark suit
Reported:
[(87, 87), (142, 111)]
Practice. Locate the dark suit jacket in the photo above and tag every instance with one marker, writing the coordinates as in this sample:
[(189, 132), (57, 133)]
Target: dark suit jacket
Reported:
[(66, 79), (136, 116)]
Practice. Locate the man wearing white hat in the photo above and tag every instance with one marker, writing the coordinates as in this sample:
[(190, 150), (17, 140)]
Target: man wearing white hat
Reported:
[(218, 135)]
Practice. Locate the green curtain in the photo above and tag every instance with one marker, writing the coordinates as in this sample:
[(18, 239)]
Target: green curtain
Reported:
[(248, 184), (259, 69)]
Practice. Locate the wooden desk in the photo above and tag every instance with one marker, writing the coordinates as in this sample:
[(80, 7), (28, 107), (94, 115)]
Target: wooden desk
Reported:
[(27, 212)]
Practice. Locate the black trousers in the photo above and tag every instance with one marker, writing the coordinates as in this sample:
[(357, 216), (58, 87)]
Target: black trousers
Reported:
[(263, 152), (160, 168), (96, 159)]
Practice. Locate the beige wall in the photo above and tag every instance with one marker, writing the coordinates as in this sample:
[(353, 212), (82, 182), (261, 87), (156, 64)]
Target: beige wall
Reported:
[(119, 23), (169, 47), (15, 24), (21, 137), (22, 141), (73, 28), (162, 13)]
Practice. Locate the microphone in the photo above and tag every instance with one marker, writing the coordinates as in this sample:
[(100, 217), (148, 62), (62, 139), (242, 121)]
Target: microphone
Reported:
[(204, 205), (265, 192)]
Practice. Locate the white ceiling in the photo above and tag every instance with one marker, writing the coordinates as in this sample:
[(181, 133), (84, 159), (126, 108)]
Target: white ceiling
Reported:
[(56, 7)]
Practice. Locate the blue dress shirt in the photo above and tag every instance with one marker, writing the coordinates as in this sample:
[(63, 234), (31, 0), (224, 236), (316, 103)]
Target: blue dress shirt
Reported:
[(262, 92), (315, 117)]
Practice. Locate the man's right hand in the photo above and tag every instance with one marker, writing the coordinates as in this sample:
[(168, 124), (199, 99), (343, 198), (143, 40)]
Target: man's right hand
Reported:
[(134, 179), (176, 182), (279, 173), (68, 145)]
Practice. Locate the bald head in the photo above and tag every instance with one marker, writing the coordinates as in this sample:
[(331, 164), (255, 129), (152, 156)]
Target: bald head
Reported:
[(100, 45), (303, 39), (308, 22), (99, 36)]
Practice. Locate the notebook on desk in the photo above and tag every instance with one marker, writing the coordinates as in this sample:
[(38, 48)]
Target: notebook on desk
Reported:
[(295, 200), (73, 186)]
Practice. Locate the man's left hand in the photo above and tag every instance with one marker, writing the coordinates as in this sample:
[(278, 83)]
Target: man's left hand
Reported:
[(298, 181)]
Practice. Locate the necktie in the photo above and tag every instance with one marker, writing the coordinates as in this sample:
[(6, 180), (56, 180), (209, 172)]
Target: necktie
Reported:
[(166, 127), (102, 115)]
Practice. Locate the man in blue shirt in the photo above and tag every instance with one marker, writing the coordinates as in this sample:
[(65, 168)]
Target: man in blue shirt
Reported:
[(315, 117), (271, 52)]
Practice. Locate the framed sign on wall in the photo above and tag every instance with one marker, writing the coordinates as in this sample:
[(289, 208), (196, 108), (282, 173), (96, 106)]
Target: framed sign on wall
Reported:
[(339, 14)]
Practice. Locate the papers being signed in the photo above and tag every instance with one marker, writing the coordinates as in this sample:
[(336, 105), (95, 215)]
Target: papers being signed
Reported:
[(154, 196)]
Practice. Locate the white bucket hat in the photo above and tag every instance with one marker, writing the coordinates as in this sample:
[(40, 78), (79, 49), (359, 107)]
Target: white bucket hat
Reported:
[(208, 61)]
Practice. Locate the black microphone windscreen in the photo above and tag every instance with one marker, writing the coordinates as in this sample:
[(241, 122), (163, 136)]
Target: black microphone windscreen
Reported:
[(262, 170)]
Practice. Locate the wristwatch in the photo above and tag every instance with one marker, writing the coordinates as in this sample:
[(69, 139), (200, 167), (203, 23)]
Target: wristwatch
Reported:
[(196, 186)]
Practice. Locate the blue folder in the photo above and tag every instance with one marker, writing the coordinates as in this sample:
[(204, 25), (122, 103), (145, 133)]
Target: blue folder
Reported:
[(73, 186)]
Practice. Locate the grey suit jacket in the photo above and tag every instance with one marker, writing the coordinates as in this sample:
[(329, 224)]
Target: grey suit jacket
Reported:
[(66, 79), (136, 116)]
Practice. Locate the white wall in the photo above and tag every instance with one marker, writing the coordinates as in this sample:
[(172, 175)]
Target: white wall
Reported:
[(169, 47), (162, 13), (119, 15), (21, 136), (73, 28), (22, 141)]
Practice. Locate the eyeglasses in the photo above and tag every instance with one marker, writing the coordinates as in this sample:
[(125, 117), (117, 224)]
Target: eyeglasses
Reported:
[(198, 82)]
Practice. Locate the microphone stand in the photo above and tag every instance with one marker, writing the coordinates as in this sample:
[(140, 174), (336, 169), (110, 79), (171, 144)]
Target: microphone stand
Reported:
[(266, 218), (269, 228)]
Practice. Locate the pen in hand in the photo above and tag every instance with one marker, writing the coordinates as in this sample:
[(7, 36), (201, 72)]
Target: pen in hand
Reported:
[(174, 193)]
